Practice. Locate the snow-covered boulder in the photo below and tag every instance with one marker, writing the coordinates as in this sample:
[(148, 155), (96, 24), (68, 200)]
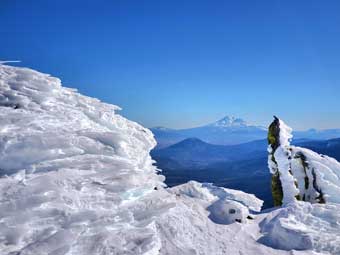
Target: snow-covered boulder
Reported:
[(299, 173)]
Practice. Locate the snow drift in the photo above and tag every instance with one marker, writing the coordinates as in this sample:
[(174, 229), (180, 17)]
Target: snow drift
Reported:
[(77, 178), (303, 226)]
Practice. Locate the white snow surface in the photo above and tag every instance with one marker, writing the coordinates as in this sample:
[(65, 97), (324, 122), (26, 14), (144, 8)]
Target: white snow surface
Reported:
[(77, 178), (210, 193), (302, 226), (285, 134), (326, 171)]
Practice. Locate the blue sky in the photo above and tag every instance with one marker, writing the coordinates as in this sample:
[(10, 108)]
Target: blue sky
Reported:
[(186, 63)]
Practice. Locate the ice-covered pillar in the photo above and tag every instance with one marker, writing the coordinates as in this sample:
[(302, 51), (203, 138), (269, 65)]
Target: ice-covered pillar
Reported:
[(284, 188)]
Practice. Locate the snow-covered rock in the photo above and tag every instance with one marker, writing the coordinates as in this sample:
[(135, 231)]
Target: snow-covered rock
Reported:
[(299, 173)]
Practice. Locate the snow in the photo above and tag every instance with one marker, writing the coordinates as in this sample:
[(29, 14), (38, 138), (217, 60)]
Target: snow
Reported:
[(225, 206), (326, 172), (285, 134), (224, 211), (70, 167), (289, 189), (199, 224), (77, 178), (302, 226)]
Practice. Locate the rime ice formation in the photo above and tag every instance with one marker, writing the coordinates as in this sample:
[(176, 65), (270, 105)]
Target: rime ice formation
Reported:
[(299, 173), (72, 169), (77, 178)]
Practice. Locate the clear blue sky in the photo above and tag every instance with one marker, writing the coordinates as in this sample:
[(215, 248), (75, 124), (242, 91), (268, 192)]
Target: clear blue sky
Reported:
[(185, 63)]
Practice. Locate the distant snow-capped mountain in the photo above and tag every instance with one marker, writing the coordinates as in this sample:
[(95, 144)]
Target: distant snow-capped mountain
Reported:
[(229, 121), (160, 128), (226, 131)]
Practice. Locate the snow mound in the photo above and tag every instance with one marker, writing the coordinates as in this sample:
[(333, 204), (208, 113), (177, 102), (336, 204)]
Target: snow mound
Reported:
[(226, 206), (303, 226), (225, 211), (211, 193)]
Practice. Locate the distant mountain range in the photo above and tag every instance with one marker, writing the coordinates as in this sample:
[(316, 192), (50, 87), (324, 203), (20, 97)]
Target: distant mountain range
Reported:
[(230, 153), (193, 152), (242, 166), (315, 134), (226, 131), (230, 131)]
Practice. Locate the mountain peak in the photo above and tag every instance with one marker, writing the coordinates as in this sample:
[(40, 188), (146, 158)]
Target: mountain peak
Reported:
[(230, 121), (191, 142)]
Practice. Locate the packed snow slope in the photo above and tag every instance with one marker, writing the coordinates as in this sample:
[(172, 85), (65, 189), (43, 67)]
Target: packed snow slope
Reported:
[(77, 178)]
